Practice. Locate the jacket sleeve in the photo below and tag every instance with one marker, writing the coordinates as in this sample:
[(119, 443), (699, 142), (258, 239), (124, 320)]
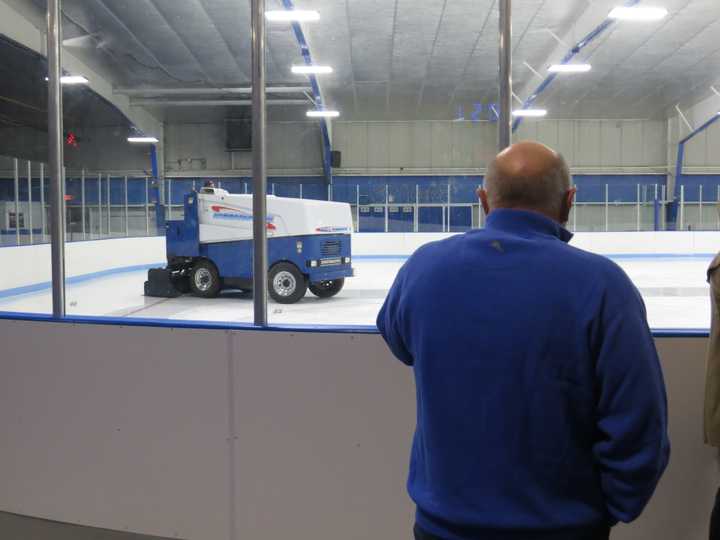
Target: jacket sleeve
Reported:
[(632, 447), (389, 320)]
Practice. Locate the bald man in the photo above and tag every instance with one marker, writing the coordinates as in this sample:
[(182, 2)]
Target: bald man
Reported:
[(541, 409)]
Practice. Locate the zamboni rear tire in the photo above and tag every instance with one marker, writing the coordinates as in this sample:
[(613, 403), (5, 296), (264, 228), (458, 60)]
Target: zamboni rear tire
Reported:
[(327, 289), (204, 279)]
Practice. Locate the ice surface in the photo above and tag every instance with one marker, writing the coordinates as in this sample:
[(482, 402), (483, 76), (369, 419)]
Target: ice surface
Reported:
[(674, 290)]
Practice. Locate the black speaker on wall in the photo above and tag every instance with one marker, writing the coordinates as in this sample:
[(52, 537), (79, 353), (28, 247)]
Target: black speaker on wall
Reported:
[(336, 159)]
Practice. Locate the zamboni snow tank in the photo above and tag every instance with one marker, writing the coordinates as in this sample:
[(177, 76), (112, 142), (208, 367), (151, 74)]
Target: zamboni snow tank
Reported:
[(210, 249)]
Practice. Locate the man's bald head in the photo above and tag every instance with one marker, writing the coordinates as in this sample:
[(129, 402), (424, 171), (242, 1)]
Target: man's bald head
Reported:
[(529, 176)]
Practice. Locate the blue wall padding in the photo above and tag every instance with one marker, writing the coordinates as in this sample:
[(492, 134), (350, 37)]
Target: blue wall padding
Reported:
[(621, 188), (692, 183)]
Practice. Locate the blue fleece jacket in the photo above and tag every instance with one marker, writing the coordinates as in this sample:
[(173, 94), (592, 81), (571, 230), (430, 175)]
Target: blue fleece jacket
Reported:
[(540, 400)]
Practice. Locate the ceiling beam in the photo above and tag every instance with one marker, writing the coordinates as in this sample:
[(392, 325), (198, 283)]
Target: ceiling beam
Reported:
[(208, 91)]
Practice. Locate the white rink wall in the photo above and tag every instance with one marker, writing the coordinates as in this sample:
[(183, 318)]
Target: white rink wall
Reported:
[(30, 265), (612, 243)]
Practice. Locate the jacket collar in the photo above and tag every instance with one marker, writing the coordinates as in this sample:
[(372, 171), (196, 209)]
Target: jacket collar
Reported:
[(525, 223)]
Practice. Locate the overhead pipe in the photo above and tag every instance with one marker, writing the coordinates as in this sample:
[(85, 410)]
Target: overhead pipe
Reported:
[(208, 91), (317, 95), (211, 102), (571, 54)]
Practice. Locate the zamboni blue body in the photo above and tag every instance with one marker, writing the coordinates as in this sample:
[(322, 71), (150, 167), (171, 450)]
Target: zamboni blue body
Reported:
[(211, 248)]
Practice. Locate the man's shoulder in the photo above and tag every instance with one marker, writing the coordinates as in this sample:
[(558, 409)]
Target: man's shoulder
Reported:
[(599, 266), (435, 248)]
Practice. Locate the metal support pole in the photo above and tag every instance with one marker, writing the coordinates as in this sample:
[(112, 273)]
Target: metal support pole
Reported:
[(663, 195), (109, 205), (147, 206), (43, 227), (82, 202), (100, 216), (55, 146), (638, 207), (169, 199), (505, 79), (387, 208), (700, 209), (127, 213), (607, 208), (718, 207), (273, 188), (575, 207), (448, 208), (357, 207), (301, 193), (30, 208), (17, 201), (64, 186), (416, 225), (681, 217), (260, 269)]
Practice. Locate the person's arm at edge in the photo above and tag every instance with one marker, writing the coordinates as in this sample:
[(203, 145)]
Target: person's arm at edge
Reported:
[(632, 449), (389, 320)]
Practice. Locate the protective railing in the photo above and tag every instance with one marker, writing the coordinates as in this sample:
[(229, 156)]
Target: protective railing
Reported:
[(106, 205)]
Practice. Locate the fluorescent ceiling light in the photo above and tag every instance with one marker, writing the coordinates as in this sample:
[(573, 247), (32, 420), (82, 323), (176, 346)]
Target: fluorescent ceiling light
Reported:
[(312, 69), (323, 114), (638, 13), (71, 79), (296, 15), (145, 140), (537, 113), (569, 68)]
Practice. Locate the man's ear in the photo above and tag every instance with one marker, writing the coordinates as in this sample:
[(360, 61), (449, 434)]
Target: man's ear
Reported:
[(567, 204), (482, 195)]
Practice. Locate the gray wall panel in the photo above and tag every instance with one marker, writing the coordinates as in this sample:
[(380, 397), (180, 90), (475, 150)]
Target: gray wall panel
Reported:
[(422, 144), (588, 143), (144, 428), (379, 144), (433, 146), (401, 144), (612, 142), (639, 140), (441, 145), (566, 140), (696, 151)]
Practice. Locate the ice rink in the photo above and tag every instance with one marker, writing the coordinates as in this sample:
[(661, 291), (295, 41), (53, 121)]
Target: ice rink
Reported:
[(673, 287)]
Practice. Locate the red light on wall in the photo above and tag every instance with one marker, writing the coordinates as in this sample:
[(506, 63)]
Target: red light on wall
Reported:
[(71, 140), (69, 198)]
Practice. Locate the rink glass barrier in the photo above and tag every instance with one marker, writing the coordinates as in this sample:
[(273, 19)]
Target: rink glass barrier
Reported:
[(115, 205)]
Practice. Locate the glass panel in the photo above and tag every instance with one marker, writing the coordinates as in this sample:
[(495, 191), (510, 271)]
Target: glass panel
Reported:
[(415, 133)]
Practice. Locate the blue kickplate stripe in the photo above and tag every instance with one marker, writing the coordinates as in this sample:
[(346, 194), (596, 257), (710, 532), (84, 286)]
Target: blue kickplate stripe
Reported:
[(299, 328), (189, 324), (47, 285)]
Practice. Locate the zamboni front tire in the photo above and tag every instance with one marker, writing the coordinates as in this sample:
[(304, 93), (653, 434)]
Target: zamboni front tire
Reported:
[(327, 289), (204, 279), (286, 284)]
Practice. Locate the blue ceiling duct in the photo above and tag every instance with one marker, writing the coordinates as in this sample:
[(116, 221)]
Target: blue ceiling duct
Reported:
[(571, 54), (317, 96)]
